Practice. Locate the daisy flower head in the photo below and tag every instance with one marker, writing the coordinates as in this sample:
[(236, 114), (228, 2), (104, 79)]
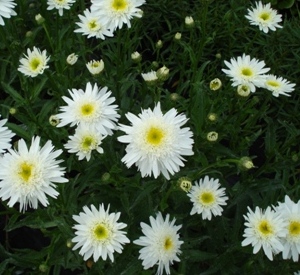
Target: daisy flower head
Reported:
[(161, 244), (34, 63), (207, 198), (246, 71), (85, 140), (5, 136), (264, 229), (98, 233), (28, 174), (60, 5), (6, 10), (150, 77), (92, 106), (264, 17), (156, 141), (278, 85), (290, 211), (91, 25), (115, 13), (95, 67)]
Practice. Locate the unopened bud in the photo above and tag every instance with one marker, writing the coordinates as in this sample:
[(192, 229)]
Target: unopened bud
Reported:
[(212, 136), (162, 73), (185, 184), (215, 84)]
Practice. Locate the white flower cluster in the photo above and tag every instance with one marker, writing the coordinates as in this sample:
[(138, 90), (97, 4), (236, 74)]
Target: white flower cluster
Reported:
[(275, 230)]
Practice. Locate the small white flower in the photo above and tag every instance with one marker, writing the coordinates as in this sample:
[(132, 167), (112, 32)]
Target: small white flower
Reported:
[(72, 58), (207, 198), (91, 25), (6, 10), (60, 5), (28, 175), (84, 141), (156, 141), (95, 67), (115, 13), (264, 229), (92, 106), (264, 17), (34, 63), (161, 243), (278, 85), (290, 212), (5, 136), (98, 233), (246, 71), (150, 77)]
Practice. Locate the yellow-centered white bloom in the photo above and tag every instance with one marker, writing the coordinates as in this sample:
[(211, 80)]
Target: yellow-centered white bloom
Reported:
[(6, 10), (115, 13), (264, 229), (278, 85), (92, 107), (246, 71), (84, 141), (95, 67), (161, 244), (28, 174), (264, 17), (98, 233), (60, 5), (91, 25), (207, 198), (290, 212), (156, 141), (34, 63), (5, 136)]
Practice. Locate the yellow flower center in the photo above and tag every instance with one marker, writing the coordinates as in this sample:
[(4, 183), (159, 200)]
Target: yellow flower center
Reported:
[(264, 16), (155, 136), (34, 63), (265, 228), (247, 72), (207, 198), (101, 232), (95, 64), (168, 244), (294, 228), (87, 109), (273, 83), (87, 143), (93, 25), (25, 171), (119, 5)]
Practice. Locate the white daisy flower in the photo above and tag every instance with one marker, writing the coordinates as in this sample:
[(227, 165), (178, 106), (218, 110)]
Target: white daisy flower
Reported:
[(34, 63), (264, 229), (84, 141), (91, 25), (246, 71), (278, 85), (99, 233), (28, 175), (207, 197), (95, 67), (150, 77), (115, 13), (290, 212), (6, 10), (264, 17), (60, 5), (156, 141), (5, 136), (161, 243), (92, 106)]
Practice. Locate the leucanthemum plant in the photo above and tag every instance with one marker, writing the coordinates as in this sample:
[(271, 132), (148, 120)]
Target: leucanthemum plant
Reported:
[(278, 85), (28, 175), (6, 136), (34, 63), (161, 244), (156, 141), (98, 233), (60, 5)]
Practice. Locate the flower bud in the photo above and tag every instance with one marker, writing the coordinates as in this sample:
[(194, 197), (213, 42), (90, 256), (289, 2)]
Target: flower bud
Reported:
[(12, 111), (189, 21), (136, 57), (150, 78), (162, 73), (185, 184), (243, 90), (212, 136), (39, 19), (212, 117), (159, 44), (95, 67), (54, 120), (245, 163), (215, 84), (72, 59), (177, 36)]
